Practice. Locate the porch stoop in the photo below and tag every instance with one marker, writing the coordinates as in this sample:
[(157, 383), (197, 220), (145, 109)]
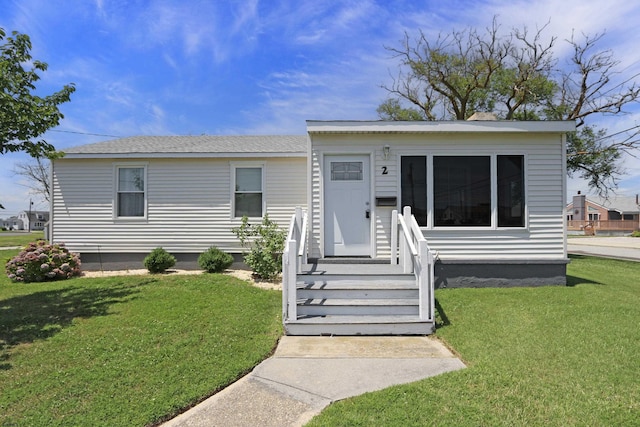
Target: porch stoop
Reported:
[(356, 297)]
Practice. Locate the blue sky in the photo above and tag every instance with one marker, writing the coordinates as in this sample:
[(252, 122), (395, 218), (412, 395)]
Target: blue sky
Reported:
[(179, 67)]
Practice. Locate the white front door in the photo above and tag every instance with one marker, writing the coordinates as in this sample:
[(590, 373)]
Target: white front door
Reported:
[(347, 206)]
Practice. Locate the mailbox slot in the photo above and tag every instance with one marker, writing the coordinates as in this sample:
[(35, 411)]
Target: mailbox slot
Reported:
[(386, 201)]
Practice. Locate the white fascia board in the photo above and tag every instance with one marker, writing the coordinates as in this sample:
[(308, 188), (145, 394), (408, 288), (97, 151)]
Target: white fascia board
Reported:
[(458, 126), (179, 155)]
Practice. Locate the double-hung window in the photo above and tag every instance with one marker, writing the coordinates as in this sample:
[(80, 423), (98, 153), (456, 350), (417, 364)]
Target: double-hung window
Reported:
[(130, 191), (248, 191)]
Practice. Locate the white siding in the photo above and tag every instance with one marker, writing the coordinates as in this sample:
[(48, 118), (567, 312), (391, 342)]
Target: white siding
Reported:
[(542, 239), (188, 204)]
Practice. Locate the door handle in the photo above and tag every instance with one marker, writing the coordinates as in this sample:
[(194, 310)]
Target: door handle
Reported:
[(367, 214)]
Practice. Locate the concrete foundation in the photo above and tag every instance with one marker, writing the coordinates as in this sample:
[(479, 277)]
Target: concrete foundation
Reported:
[(499, 273), (134, 261)]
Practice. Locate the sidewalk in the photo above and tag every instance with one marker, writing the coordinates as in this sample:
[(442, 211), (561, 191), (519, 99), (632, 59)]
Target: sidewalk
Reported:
[(306, 374)]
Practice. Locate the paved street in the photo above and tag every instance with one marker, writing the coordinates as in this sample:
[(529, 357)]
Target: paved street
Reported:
[(614, 247)]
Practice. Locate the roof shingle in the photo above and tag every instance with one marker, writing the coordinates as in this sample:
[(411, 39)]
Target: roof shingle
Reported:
[(204, 144)]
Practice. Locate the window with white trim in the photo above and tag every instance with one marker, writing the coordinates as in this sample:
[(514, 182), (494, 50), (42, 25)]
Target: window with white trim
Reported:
[(511, 191), (130, 192), (413, 186), (467, 190), (248, 191), (462, 191)]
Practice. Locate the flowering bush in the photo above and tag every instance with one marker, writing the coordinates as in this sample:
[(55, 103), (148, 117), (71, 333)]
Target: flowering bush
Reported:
[(40, 262)]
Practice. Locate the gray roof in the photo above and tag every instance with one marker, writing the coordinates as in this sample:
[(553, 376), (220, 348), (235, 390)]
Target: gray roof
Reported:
[(192, 146), (622, 204)]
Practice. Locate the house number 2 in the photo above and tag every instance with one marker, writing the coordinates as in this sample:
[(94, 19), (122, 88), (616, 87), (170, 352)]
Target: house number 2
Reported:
[(384, 170)]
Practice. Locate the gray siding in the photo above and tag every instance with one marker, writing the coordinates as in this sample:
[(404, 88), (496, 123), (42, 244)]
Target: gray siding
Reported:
[(188, 204)]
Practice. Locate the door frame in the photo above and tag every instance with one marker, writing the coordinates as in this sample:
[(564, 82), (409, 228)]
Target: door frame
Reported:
[(372, 221)]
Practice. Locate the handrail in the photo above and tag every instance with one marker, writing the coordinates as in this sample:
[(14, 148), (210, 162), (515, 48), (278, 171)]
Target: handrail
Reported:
[(293, 256), (407, 232), (415, 256)]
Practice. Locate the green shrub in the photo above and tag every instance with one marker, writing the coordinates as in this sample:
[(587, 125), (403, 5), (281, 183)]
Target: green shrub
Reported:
[(159, 260), (635, 233), (40, 262), (266, 243), (214, 260)]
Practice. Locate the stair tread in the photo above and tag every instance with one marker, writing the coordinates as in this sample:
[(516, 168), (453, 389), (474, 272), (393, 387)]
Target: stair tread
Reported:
[(321, 285), (358, 301), (366, 319)]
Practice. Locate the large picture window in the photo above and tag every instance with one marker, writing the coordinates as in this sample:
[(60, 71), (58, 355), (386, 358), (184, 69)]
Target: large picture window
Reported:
[(413, 170), (511, 191), (462, 191), (248, 192), (131, 191)]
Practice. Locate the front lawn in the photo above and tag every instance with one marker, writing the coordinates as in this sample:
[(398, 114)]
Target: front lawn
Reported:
[(8, 239), (126, 351), (561, 356)]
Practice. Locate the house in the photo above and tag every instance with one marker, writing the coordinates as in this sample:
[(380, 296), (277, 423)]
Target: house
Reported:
[(12, 223), (488, 196), (33, 220), (26, 221), (378, 213), (612, 215)]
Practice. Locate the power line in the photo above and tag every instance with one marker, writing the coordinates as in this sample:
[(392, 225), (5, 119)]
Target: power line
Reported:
[(617, 133), (84, 133)]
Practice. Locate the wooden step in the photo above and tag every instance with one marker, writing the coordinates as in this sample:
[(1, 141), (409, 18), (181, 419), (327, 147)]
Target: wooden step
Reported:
[(368, 306), (357, 290), (359, 325)]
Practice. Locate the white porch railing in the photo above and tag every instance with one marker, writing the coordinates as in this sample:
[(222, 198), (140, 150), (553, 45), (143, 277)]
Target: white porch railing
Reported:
[(409, 248), (293, 257)]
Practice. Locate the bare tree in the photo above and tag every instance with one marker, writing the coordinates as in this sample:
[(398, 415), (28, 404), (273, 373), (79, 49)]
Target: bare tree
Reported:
[(36, 173), (517, 77)]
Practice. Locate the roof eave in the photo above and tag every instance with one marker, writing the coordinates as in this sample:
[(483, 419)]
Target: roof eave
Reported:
[(458, 126), (181, 155)]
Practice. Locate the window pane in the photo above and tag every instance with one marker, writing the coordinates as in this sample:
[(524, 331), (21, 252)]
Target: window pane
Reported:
[(131, 179), (414, 186), (462, 191), (131, 204), (249, 204), (249, 179), (510, 191), (346, 171)]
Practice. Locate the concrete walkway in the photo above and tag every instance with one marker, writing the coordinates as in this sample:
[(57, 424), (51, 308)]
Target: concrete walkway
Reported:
[(308, 373), (609, 247)]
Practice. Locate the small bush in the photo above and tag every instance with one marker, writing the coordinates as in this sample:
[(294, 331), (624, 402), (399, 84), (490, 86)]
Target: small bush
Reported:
[(266, 243), (41, 262), (214, 260), (159, 260), (635, 233)]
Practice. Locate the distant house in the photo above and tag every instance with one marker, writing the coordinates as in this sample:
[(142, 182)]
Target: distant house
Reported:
[(33, 220), (12, 223), (595, 214), (489, 196)]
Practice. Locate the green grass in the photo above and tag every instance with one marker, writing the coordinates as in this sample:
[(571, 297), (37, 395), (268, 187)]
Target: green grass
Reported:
[(21, 239), (126, 350), (559, 356)]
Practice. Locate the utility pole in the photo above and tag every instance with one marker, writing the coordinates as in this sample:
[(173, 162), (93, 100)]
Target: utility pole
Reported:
[(29, 217)]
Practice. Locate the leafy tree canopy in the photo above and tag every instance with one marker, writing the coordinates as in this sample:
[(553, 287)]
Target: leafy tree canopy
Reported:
[(25, 116), (517, 77)]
